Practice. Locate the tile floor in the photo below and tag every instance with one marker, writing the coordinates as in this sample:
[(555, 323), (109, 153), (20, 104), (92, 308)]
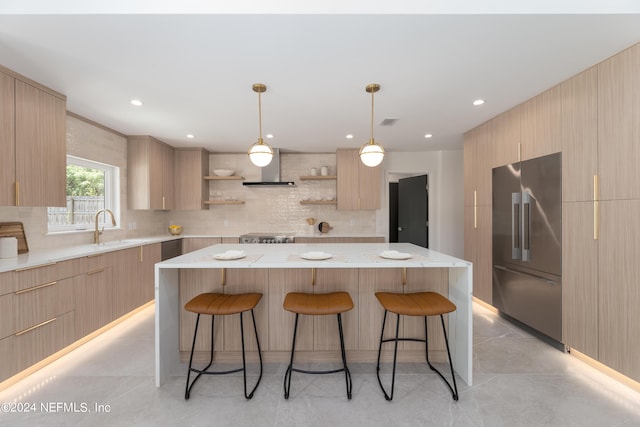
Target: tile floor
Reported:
[(518, 381)]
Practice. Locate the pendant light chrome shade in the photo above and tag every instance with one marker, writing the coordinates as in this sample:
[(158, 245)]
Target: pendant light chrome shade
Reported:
[(372, 153), (260, 153)]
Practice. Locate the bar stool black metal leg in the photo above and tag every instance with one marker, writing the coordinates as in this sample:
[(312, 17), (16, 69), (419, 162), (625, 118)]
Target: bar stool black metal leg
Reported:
[(347, 374), (395, 355), (255, 330), (187, 391), (287, 375), (454, 389)]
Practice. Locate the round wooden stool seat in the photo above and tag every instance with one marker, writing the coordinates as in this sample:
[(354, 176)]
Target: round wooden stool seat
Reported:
[(416, 304), (317, 304), (221, 304)]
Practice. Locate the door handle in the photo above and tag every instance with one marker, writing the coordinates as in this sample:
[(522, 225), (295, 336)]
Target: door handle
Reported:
[(515, 225), (526, 225), (399, 228)]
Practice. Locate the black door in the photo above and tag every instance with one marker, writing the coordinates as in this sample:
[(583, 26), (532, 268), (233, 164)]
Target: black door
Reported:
[(413, 211)]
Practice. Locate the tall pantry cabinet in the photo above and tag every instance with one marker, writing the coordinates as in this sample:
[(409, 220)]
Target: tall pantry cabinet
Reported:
[(594, 120)]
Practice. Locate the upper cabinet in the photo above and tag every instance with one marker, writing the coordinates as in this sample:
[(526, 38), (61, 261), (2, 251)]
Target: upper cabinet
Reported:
[(541, 124), (477, 160), (505, 137), (150, 165), (619, 126), (33, 142), (579, 135), (357, 185), (191, 190)]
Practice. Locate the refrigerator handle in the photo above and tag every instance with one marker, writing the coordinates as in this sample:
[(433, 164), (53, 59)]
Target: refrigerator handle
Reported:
[(515, 226), (526, 225)]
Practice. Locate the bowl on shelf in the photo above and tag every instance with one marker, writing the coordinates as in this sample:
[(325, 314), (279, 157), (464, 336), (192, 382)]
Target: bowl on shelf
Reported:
[(223, 172), (175, 229)]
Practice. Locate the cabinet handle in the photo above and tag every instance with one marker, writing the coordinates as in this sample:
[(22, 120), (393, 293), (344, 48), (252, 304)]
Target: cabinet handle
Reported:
[(596, 207), (24, 331), (35, 266), (163, 203), (313, 277), (475, 209), (24, 291), (141, 256), (404, 276), (17, 193), (98, 270), (223, 276)]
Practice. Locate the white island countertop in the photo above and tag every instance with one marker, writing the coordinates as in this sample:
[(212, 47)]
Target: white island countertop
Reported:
[(343, 255), (286, 256)]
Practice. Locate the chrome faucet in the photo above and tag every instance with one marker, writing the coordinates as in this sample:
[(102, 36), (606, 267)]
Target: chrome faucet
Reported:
[(97, 233)]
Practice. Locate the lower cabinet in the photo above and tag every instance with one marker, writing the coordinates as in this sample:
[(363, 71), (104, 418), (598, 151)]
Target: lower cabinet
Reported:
[(37, 320), (94, 300), (46, 308)]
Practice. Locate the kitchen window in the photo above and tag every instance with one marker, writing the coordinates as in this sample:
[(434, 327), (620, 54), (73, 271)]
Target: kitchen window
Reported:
[(91, 186)]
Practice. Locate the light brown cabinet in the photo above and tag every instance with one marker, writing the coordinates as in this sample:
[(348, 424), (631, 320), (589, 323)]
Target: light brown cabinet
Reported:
[(190, 188), (357, 185), (150, 165), (477, 159), (478, 249), (619, 125), (505, 137), (594, 119), (33, 141), (579, 135), (541, 124), (36, 317)]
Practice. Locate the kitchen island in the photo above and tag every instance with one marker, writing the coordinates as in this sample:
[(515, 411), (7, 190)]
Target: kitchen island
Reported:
[(275, 270)]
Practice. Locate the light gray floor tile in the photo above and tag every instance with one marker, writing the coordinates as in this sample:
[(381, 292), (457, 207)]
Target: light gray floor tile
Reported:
[(518, 381)]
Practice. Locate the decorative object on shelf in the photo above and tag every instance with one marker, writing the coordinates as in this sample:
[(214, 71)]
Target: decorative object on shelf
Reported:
[(223, 172), (175, 230), (324, 227), (372, 153), (324, 171), (314, 172), (260, 153)]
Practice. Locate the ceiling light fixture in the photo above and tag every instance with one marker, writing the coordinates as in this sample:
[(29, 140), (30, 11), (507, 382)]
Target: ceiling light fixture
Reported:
[(478, 102), (372, 153), (428, 135), (136, 102), (260, 153), (190, 136), (269, 136), (349, 136)]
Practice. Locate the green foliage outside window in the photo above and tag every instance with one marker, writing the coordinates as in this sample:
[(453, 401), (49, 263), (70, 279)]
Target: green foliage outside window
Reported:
[(82, 181)]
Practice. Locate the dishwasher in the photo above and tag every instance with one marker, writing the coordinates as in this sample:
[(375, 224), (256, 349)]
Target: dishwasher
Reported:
[(170, 249)]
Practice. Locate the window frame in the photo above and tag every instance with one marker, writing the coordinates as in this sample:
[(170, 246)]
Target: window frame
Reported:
[(111, 197)]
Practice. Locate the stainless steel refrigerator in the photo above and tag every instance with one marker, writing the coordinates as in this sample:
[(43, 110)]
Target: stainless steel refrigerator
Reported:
[(527, 243)]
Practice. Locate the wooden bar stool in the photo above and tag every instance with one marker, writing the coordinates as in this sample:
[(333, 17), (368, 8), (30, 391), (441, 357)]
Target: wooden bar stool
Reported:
[(214, 304), (317, 305), (416, 304)]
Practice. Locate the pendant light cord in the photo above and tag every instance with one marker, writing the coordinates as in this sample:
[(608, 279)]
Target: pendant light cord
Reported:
[(260, 115), (372, 92)]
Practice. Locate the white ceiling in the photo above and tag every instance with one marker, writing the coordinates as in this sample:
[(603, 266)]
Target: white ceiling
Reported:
[(194, 72)]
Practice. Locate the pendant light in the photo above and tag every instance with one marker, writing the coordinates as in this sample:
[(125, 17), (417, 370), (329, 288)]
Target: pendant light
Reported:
[(260, 153), (372, 153)]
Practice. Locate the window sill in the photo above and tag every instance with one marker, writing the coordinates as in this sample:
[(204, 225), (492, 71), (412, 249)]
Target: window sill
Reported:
[(84, 230)]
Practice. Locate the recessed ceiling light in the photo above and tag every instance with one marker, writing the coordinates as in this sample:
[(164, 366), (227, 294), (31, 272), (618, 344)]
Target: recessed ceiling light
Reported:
[(428, 135), (270, 136), (190, 136), (478, 102), (349, 136), (136, 102)]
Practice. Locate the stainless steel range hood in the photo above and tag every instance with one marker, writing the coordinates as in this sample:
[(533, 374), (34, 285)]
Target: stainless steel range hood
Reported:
[(271, 174)]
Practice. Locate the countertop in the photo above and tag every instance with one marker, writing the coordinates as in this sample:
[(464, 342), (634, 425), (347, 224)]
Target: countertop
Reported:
[(344, 255), (39, 257)]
